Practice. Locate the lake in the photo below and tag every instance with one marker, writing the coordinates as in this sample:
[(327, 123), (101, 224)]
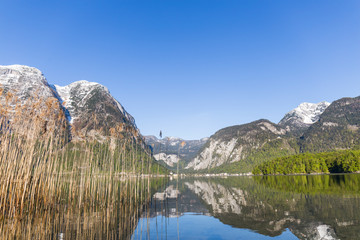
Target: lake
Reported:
[(269, 207)]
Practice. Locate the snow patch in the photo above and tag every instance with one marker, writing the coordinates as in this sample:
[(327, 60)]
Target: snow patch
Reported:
[(25, 81), (305, 114), (82, 90)]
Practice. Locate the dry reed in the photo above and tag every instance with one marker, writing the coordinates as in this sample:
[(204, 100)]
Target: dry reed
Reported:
[(40, 171)]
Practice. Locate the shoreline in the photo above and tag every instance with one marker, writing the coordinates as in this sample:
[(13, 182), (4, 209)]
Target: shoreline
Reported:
[(251, 175)]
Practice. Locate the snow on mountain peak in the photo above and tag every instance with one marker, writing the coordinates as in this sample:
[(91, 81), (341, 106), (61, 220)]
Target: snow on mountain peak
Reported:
[(80, 99), (82, 86), (304, 115), (24, 81), (76, 95), (19, 69), (310, 112)]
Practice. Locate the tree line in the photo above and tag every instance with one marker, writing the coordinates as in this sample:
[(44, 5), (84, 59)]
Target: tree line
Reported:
[(344, 161)]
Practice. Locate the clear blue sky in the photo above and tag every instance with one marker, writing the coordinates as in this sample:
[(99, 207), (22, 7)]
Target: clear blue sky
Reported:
[(191, 67)]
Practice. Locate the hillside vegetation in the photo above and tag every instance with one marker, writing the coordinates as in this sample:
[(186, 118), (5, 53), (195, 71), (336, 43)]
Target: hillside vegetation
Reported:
[(310, 128), (345, 161)]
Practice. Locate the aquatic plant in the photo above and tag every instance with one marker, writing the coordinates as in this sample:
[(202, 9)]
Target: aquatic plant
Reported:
[(41, 170)]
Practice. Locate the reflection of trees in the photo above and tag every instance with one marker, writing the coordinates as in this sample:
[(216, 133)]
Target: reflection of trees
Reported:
[(310, 206), (344, 184), (234, 203)]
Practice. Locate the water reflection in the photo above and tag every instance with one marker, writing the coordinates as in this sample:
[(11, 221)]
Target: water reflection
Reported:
[(280, 207), (106, 208), (284, 207)]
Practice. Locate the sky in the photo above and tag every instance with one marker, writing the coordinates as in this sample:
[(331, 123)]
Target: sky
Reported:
[(192, 67)]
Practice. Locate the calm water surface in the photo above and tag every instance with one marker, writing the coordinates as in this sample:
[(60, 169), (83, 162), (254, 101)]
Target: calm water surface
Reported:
[(279, 207), (273, 207)]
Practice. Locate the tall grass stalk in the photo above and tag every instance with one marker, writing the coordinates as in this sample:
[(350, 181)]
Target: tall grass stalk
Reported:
[(42, 171)]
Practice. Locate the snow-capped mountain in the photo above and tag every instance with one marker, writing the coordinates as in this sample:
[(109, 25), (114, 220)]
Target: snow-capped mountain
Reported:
[(83, 100), (337, 128), (300, 118), (251, 143), (88, 105), (24, 82)]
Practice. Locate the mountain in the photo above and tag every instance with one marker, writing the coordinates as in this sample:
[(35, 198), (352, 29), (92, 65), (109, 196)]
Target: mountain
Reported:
[(92, 112), (90, 105), (241, 147), (308, 128), (24, 82), (171, 150), (90, 108), (301, 118), (337, 128)]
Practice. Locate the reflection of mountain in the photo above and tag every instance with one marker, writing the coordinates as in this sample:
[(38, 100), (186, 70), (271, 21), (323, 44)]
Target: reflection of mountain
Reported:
[(241, 207), (221, 199), (174, 201), (236, 206), (316, 207), (170, 192)]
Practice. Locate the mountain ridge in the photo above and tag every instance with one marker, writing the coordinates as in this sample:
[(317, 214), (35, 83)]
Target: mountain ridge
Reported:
[(338, 128), (306, 128), (89, 106), (298, 120), (238, 143)]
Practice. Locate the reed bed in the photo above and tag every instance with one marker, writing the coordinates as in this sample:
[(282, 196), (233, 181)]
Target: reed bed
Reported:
[(115, 218), (86, 182)]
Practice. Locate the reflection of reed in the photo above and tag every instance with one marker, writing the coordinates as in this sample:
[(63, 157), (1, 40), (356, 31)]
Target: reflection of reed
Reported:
[(115, 218), (53, 188)]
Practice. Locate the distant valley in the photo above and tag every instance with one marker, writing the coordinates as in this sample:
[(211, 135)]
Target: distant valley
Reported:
[(171, 151)]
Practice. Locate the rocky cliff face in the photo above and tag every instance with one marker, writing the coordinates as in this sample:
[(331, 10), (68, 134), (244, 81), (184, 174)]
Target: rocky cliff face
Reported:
[(337, 128), (24, 82), (26, 100), (238, 143), (309, 127), (89, 106), (301, 118), (171, 160)]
